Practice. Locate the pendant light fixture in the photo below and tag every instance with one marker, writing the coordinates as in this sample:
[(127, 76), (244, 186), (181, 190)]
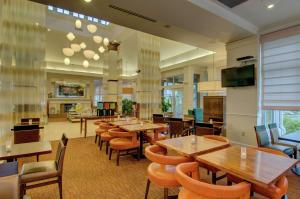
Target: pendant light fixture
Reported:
[(70, 36)]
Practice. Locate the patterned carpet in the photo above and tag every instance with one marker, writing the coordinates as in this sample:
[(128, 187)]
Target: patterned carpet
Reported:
[(88, 174)]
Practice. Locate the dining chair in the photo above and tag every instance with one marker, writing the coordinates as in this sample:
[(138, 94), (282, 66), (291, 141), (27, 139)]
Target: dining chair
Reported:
[(214, 170), (187, 175), (161, 171), (203, 131), (263, 140), (276, 190), (158, 119), (176, 128), (275, 139), (37, 174), (98, 131), (26, 120), (123, 141), (157, 134), (105, 137)]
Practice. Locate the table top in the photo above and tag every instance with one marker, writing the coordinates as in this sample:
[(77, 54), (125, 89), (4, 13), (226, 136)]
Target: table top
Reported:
[(91, 117), (258, 167), (141, 127), (293, 137), (25, 149), (124, 122), (192, 145)]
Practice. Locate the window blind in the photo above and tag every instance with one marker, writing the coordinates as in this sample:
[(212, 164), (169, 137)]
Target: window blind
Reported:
[(281, 73)]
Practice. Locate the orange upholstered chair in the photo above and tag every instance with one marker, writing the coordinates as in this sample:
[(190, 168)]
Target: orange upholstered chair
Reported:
[(122, 141), (193, 188), (276, 190), (211, 168), (161, 171), (157, 135), (105, 136), (98, 131)]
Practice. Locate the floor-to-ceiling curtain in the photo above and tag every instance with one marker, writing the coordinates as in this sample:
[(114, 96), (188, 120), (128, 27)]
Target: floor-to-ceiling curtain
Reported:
[(22, 56), (148, 81)]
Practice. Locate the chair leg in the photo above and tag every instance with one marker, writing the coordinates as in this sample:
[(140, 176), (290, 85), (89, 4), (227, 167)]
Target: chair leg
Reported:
[(60, 187), (106, 147), (22, 190), (110, 152), (214, 178), (118, 157), (165, 193), (37, 158), (101, 143), (138, 154), (147, 188), (229, 183), (96, 136)]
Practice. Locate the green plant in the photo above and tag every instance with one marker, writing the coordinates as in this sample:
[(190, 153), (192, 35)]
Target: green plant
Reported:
[(291, 125), (127, 107), (165, 104)]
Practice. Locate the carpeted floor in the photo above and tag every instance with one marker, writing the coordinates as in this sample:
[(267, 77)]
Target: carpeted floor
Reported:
[(88, 174)]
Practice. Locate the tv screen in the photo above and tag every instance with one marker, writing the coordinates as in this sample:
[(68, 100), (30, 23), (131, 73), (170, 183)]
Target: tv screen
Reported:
[(238, 76)]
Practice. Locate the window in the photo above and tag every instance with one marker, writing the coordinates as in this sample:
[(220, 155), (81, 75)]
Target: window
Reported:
[(77, 15), (280, 73), (97, 92), (173, 80)]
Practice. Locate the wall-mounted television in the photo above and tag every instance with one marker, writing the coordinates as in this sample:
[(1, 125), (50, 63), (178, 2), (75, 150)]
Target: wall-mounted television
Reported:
[(70, 89), (238, 76)]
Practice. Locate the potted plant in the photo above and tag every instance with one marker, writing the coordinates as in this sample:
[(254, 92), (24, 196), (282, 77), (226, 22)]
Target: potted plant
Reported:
[(127, 108), (165, 104)]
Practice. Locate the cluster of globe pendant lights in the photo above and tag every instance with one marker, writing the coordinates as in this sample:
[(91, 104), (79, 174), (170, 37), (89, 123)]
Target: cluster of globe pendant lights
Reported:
[(88, 54)]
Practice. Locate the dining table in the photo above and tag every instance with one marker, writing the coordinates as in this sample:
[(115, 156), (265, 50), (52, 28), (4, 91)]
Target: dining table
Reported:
[(85, 118), (124, 122), (192, 145), (250, 164), (25, 150), (141, 128)]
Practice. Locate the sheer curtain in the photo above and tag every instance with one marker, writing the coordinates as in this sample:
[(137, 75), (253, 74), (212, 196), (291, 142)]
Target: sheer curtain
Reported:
[(148, 81), (22, 55)]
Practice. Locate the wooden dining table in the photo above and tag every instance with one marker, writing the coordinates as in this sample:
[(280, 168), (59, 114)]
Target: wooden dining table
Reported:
[(192, 145), (141, 128), (25, 150), (124, 122), (256, 166)]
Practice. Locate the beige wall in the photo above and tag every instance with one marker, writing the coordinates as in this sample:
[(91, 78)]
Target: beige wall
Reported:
[(242, 102)]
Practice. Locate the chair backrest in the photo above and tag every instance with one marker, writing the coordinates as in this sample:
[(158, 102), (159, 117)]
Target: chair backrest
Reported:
[(158, 119), (157, 154), (195, 189), (274, 132), (106, 126), (204, 124), (176, 128), (26, 127), (262, 136), (60, 153), (26, 120), (198, 114), (204, 131), (157, 115)]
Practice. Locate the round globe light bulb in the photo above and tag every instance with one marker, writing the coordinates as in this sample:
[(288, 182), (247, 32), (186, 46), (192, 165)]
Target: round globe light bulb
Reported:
[(85, 64), (67, 61)]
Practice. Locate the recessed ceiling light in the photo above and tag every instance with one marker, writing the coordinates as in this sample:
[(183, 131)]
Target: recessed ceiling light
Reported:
[(270, 6), (88, 1)]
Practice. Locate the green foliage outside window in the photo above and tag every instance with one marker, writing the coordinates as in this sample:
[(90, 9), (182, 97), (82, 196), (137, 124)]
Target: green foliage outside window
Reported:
[(165, 104), (127, 108), (290, 123)]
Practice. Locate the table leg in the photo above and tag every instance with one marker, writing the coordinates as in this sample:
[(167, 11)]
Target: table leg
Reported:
[(142, 156), (85, 128), (80, 125)]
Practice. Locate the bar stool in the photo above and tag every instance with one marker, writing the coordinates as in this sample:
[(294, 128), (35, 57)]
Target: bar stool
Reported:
[(105, 136)]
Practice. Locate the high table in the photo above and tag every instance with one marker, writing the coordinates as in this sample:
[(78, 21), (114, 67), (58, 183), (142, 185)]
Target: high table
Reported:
[(25, 150), (258, 167), (192, 145), (293, 137), (141, 129), (85, 118)]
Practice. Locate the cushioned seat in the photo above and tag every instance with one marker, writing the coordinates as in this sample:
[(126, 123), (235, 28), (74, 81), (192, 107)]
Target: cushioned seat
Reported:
[(285, 149), (106, 137), (162, 177), (122, 144), (9, 187), (38, 171), (99, 131), (98, 122)]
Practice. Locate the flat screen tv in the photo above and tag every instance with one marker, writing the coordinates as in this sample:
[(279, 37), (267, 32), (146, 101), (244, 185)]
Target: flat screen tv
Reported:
[(238, 76)]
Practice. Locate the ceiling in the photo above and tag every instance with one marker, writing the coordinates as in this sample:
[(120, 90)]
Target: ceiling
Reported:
[(285, 12)]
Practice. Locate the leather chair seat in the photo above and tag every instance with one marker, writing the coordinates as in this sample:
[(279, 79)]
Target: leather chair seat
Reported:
[(98, 122), (294, 144), (9, 187), (162, 177), (99, 131), (122, 144), (150, 137), (106, 137), (285, 149), (36, 171)]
